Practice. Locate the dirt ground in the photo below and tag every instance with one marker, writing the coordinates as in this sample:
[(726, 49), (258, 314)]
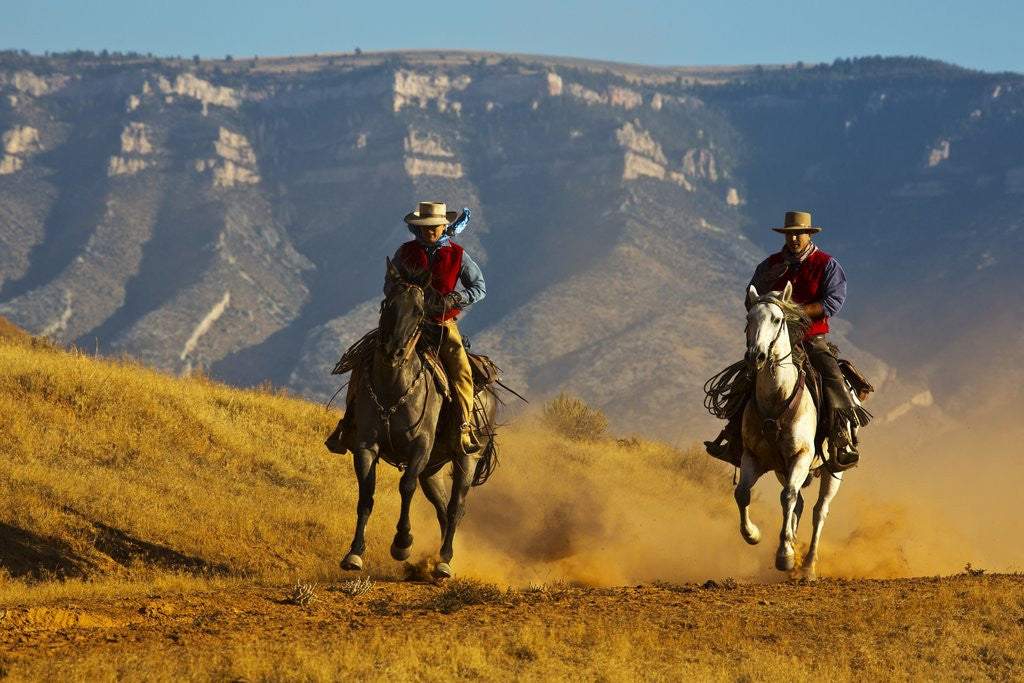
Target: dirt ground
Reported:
[(959, 627)]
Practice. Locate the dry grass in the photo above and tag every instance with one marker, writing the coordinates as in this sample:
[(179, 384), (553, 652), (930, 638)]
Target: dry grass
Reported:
[(111, 470), (459, 593), (923, 629), (108, 468), (178, 512)]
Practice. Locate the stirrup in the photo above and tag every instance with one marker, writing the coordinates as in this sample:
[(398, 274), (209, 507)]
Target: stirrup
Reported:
[(468, 444), (342, 439), (845, 454), (716, 448), (726, 452)]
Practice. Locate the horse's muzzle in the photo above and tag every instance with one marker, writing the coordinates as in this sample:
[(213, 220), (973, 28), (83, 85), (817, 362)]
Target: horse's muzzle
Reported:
[(755, 359)]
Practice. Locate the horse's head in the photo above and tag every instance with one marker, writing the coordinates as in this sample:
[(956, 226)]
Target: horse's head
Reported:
[(402, 312), (773, 322)]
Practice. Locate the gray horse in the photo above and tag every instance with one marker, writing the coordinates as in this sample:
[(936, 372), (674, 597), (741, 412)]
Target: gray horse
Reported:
[(398, 409)]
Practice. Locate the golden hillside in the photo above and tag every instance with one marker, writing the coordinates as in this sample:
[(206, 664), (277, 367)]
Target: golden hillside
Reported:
[(108, 468), (10, 331), (155, 527)]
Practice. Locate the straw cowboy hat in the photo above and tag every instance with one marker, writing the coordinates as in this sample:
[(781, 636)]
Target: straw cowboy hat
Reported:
[(797, 221), (431, 213)]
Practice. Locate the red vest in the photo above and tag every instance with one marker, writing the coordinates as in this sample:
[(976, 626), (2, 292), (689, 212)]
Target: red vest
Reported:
[(444, 271), (806, 284)]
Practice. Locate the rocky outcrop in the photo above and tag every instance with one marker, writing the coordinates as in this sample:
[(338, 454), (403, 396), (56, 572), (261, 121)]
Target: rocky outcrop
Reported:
[(427, 144), (135, 146), (414, 89), (700, 164), (645, 158), (33, 84), (19, 143), (235, 163), (190, 85), (938, 154)]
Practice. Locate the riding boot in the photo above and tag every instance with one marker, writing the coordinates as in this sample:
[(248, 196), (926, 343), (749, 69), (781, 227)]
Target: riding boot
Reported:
[(729, 444), (343, 438), (467, 441), (846, 454)]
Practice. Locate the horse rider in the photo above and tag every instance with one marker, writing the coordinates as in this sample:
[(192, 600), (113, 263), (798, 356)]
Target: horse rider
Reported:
[(458, 282), (450, 266), (819, 285)]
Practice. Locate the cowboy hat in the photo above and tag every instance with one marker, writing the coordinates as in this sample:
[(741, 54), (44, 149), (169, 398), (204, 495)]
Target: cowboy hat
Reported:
[(797, 221), (430, 214)]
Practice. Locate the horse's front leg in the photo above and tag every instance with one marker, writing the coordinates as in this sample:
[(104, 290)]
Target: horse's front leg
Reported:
[(433, 488), (785, 556), (463, 470), (419, 451), (829, 486), (365, 462), (749, 474)]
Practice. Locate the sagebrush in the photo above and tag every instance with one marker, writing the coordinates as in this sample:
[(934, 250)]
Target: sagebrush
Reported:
[(574, 418)]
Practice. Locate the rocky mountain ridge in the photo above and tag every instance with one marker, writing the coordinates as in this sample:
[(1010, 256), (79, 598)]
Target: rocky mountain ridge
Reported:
[(235, 216)]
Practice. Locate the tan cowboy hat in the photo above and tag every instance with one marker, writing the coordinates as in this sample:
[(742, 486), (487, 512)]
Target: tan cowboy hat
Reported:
[(797, 221), (431, 213)]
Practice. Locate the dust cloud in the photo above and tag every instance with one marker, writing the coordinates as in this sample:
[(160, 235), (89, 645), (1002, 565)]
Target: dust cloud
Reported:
[(606, 514), (601, 514)]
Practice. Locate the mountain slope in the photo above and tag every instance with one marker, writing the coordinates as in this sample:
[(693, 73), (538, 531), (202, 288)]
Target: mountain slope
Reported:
[(235, 216)]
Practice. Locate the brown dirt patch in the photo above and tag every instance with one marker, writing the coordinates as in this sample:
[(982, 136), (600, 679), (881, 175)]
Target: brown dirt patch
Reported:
[(955, 627)]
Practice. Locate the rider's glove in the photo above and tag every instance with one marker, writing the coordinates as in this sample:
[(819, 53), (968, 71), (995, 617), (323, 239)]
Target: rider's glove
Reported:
[(453, 301)]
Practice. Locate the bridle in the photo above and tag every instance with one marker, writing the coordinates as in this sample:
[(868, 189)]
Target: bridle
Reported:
[(771, 427), (772, 362), (410, 343), (386, 413)]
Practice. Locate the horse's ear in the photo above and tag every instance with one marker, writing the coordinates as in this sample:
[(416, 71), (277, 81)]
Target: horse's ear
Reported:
[(787, 292), (393, 272), (752, 295)]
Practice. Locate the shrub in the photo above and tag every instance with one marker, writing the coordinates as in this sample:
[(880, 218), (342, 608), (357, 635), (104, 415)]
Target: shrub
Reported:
[(358, 586), (574, 418), (303, 594), (458, 593)]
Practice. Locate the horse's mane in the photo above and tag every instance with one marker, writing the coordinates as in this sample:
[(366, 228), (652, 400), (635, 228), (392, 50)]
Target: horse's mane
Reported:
[(797, 321), (416, 275)]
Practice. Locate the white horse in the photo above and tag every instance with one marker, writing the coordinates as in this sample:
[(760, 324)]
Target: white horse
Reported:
[(779, 426)]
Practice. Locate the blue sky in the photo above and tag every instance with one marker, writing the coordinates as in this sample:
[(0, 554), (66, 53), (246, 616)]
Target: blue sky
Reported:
[(983, 34)]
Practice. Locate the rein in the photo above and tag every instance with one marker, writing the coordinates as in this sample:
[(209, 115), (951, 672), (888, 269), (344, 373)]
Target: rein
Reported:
[(771, 427), (386, 414), (773, 362)]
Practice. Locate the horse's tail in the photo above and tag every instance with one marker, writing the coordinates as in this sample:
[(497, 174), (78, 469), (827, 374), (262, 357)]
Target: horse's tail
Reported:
[(489, 458), (487, 462)]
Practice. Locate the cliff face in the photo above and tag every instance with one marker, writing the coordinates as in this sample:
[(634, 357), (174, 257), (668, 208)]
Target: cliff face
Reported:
[(236, 216)]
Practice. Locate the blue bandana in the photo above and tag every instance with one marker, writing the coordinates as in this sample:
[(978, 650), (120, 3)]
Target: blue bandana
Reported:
[(457, 226)]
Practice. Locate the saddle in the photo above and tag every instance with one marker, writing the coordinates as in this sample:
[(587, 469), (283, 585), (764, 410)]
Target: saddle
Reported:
[(485, 372), (727, 394), (859, 386)]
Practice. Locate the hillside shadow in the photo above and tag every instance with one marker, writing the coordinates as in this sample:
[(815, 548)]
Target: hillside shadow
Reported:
[(130, 551), (24, 554)]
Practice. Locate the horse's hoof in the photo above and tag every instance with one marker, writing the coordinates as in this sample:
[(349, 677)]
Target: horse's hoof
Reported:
[(753, 536), (400, 554), (810, 574), (352, 562), (442, 571), (784, 562)]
